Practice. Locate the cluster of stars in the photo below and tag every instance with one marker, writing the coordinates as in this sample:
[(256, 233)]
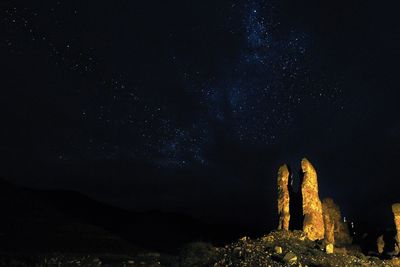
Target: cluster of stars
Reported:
[(256, 99), (270, 82)]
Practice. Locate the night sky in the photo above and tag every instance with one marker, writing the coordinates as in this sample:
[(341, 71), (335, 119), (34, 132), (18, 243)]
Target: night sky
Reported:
[(191, 106)]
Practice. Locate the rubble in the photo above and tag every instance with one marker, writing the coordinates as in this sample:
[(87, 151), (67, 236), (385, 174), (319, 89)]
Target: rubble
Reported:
[(296, 251)]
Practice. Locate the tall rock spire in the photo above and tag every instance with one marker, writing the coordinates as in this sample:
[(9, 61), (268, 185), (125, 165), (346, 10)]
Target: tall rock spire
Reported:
[(283, 198), (313, 224), (336, 230), (396, 212), (329, 222)]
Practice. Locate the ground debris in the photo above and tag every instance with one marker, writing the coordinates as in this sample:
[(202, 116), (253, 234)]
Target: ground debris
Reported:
[(278, 248), (296, 251)]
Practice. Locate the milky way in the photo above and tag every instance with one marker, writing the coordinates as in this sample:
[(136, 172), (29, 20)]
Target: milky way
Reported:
[(258, 97), (253, 100), (192, 105)]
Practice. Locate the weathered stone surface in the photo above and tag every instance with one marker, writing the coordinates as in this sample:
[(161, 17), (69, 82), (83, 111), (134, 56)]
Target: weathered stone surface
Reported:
[(396, 213), (278, 250), (336, 230), (329, 226), (329, 248), (283, 198), (290, 258), (380, 244), (313, 224)]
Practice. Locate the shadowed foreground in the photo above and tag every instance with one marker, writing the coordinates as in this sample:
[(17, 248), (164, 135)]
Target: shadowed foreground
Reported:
[(279, 248)]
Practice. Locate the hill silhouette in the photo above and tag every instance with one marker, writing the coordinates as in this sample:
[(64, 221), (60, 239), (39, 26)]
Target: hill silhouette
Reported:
[(67, 221)]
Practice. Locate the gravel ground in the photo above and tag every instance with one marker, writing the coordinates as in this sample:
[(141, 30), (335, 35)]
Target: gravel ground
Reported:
[(279, 248)]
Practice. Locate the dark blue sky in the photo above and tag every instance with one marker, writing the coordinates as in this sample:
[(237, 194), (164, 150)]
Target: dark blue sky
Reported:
[(192, 106)]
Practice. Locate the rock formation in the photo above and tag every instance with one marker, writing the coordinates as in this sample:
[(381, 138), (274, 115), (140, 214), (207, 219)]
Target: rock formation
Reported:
[(329, 248), (396, 212), (283, 198), (313, 225), (336, 230), (329, 222), (380, 244)]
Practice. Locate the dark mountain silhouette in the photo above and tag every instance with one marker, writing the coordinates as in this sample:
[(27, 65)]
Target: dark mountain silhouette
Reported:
[(67, 221), (32, 223)]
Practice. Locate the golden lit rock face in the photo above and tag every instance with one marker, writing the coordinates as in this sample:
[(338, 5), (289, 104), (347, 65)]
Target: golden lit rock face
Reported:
[(336, 231), (283, 198), (329, 249), (396, 212), (313, 225)]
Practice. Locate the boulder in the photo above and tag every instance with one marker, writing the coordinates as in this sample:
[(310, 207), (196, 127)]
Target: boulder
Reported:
[(329, 248), (278, 250), (290, 258)]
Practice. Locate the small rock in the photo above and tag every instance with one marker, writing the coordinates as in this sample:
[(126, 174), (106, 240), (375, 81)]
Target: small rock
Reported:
[(278, 250), (290, 258), (395, 261), (237, 251), (268, 238), (329, 249), (244, 239)]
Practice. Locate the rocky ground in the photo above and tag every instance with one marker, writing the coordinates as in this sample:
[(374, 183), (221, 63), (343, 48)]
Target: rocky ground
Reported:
[(274, 249), (291, 249)]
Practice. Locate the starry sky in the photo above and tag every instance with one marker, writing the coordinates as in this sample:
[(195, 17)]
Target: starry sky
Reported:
[(191, 106)]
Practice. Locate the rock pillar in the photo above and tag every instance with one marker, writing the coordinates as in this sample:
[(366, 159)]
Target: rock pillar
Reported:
[(396, 213), (313, 224), (329, 223), (336, 230), (283, 198)]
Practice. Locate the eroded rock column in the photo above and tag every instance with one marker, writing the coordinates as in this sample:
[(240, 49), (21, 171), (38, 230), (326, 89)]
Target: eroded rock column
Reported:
[(329, 223), (380, 244), (336, 230), (313, 224), (396, 212), (283, 198)]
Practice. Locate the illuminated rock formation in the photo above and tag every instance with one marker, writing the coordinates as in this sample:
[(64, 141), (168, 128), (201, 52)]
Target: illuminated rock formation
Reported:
[(313, 224), (329, 223), (336, 230), (396, 212), (283, 198), (380, 244), (329, 248)]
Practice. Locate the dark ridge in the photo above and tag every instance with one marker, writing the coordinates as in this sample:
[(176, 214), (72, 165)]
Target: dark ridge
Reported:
[(44, 220)]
